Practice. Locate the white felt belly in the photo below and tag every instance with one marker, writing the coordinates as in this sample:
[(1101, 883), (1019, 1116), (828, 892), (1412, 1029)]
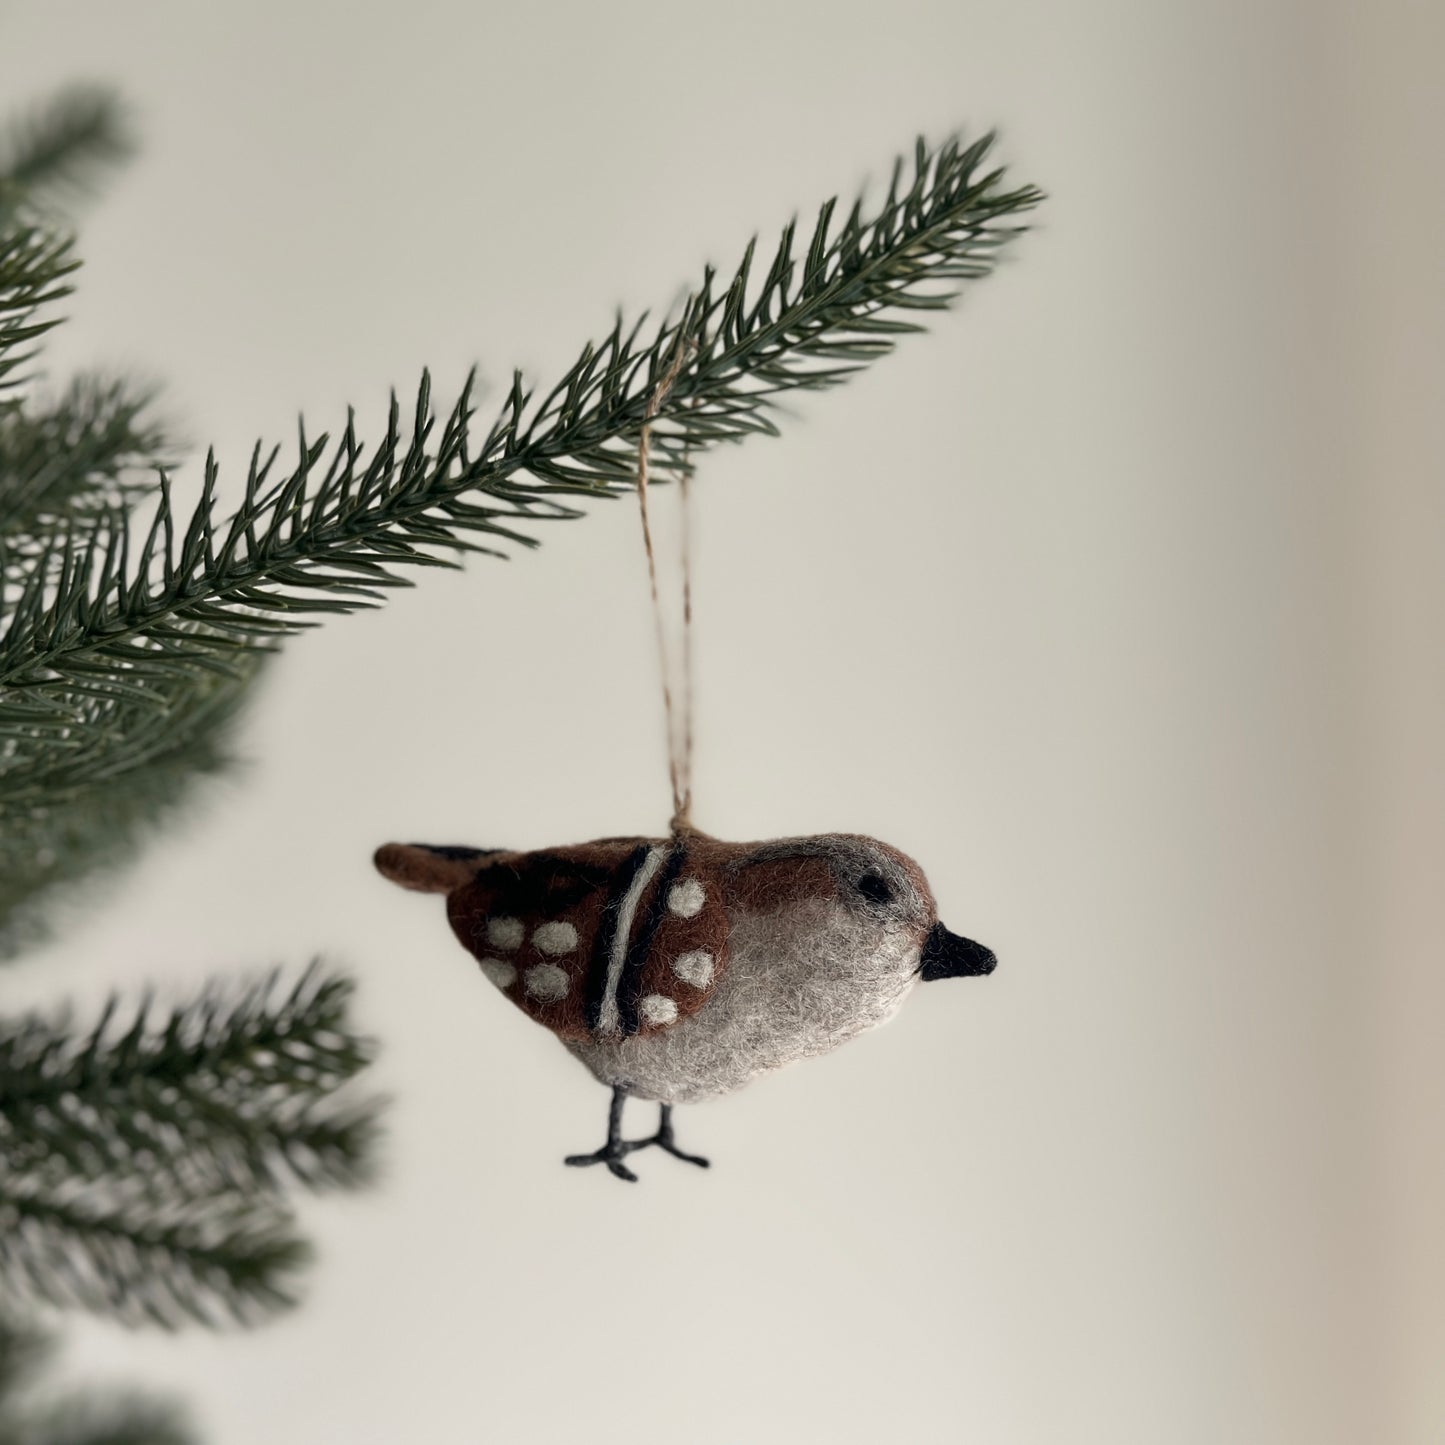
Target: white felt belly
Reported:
[(798, 983)]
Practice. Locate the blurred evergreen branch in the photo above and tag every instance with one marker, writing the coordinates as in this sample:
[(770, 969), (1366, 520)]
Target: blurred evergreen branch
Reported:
[(88, 1418), (144, 1163), (63, 147), (130, 768), (35, 266), (91, 450), (121, 763)]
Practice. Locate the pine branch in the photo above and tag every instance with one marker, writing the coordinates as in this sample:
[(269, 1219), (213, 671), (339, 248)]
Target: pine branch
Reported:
[(67, 811), (30, 1417), (143, 1162), (34, 265), (104, 610), (75, 794), (105, 1419), (22, 1351), (225, 1093), (127, 768), (92, 450), (146, 1256), (62, 147)]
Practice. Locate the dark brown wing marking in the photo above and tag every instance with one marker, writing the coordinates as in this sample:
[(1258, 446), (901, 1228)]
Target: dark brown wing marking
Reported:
[(531, 920), (685, 953)]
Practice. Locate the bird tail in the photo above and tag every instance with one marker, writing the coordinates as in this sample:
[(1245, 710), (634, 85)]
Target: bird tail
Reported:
[(430, 868)]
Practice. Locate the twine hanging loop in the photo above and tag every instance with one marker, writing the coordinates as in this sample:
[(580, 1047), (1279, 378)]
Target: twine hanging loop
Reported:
[(677, 703)]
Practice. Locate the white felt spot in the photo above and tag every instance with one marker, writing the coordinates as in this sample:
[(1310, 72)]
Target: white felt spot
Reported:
[(547, 981), (686, 898), (501, 973), (658, 1009), (505, 933), (555, 938), (694, 968)]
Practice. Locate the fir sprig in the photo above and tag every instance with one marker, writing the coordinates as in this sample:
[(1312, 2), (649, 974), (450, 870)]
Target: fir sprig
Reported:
[(144, 1259), (227, 1089), (108, 608), (35, 264), (143, 1162), (94, 448), (74, 797), (126, 768)]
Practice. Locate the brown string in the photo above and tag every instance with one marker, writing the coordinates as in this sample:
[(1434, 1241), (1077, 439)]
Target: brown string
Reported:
[(679, 740), (682, 817)]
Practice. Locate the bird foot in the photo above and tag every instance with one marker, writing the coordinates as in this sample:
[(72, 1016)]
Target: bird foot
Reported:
[(664, 1141), (616, 1149), (611, 1154)]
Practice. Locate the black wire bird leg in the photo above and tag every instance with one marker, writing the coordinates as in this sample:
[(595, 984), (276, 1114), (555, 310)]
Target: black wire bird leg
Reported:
[(616, 1149)]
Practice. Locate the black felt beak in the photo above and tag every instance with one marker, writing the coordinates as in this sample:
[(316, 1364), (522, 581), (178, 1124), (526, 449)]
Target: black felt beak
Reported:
[(946, 955)]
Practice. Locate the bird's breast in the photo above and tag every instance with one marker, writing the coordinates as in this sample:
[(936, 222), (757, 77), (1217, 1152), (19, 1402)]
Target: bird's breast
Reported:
[(799, 982)]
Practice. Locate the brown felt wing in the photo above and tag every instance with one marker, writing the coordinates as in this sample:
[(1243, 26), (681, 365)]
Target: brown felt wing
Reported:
[(598, 940)]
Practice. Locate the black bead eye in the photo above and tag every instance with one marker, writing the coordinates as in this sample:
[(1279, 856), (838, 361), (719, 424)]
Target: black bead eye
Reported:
[(874, 887)]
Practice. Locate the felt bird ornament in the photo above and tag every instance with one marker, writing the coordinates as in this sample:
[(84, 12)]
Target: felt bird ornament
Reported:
[(678, 969)]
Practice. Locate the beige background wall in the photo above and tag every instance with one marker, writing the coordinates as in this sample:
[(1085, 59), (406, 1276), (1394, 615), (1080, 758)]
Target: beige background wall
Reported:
[(1114, 600)]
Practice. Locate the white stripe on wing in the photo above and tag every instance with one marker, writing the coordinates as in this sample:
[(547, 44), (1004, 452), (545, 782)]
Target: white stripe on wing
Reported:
[(607, 1020)]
